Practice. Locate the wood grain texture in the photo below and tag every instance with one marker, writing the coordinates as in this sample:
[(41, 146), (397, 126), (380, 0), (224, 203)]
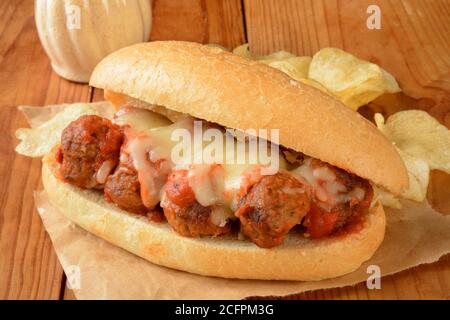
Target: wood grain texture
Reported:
[(29, 268), (423, 282), (413, 42), (205, 21)]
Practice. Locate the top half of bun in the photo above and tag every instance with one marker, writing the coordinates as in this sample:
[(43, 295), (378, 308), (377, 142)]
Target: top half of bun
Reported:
[(218, 86)]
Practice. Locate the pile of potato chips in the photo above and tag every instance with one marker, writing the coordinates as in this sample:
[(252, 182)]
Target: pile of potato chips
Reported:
[(353, 81), (422, 142)]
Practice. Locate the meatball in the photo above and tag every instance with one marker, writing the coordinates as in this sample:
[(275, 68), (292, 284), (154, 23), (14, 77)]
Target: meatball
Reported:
[(156, 214), (185, 215), (271, 207), (90, 148), (123, 189), (326, 218)]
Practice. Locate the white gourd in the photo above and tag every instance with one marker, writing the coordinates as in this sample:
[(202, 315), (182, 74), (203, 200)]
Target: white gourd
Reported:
[(77, 34)]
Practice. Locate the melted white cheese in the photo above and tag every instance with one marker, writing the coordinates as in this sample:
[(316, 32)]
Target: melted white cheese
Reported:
[(140, 119), (220, 215), (150, 151), (104, 171), (214, 184), (219, 184), (207, 183), (325, 185)]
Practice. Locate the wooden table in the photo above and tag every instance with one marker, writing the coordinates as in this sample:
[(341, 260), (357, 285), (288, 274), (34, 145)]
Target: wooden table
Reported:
[(413, 44)]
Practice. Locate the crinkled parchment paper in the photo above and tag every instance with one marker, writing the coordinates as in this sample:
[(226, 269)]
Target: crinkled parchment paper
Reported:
[(415, 234)]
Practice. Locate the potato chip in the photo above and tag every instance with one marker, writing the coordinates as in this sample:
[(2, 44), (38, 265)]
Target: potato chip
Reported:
[(420, 135), (316, 85), (244, 51), (422, 142), (296, 67), (355, 82), (38, 140), (276, 56), (215, 45), (419, 177), (387, 199)]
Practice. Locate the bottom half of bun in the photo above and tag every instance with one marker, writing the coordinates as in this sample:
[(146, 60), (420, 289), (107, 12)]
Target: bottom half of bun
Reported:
[(297, 258)]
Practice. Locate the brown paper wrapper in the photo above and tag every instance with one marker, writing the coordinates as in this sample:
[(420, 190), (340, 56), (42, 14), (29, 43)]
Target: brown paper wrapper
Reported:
[(415, 234)]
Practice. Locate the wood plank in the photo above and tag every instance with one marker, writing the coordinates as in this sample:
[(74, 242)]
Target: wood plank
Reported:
[(413, 44), (21, 11), (205, 21), (29, 268)]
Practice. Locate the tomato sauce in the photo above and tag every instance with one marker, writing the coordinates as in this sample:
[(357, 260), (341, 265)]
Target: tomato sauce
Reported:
[(318, 222), (178, 189), (249, 178), (156, 215), (353, 226), (59, 155)]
